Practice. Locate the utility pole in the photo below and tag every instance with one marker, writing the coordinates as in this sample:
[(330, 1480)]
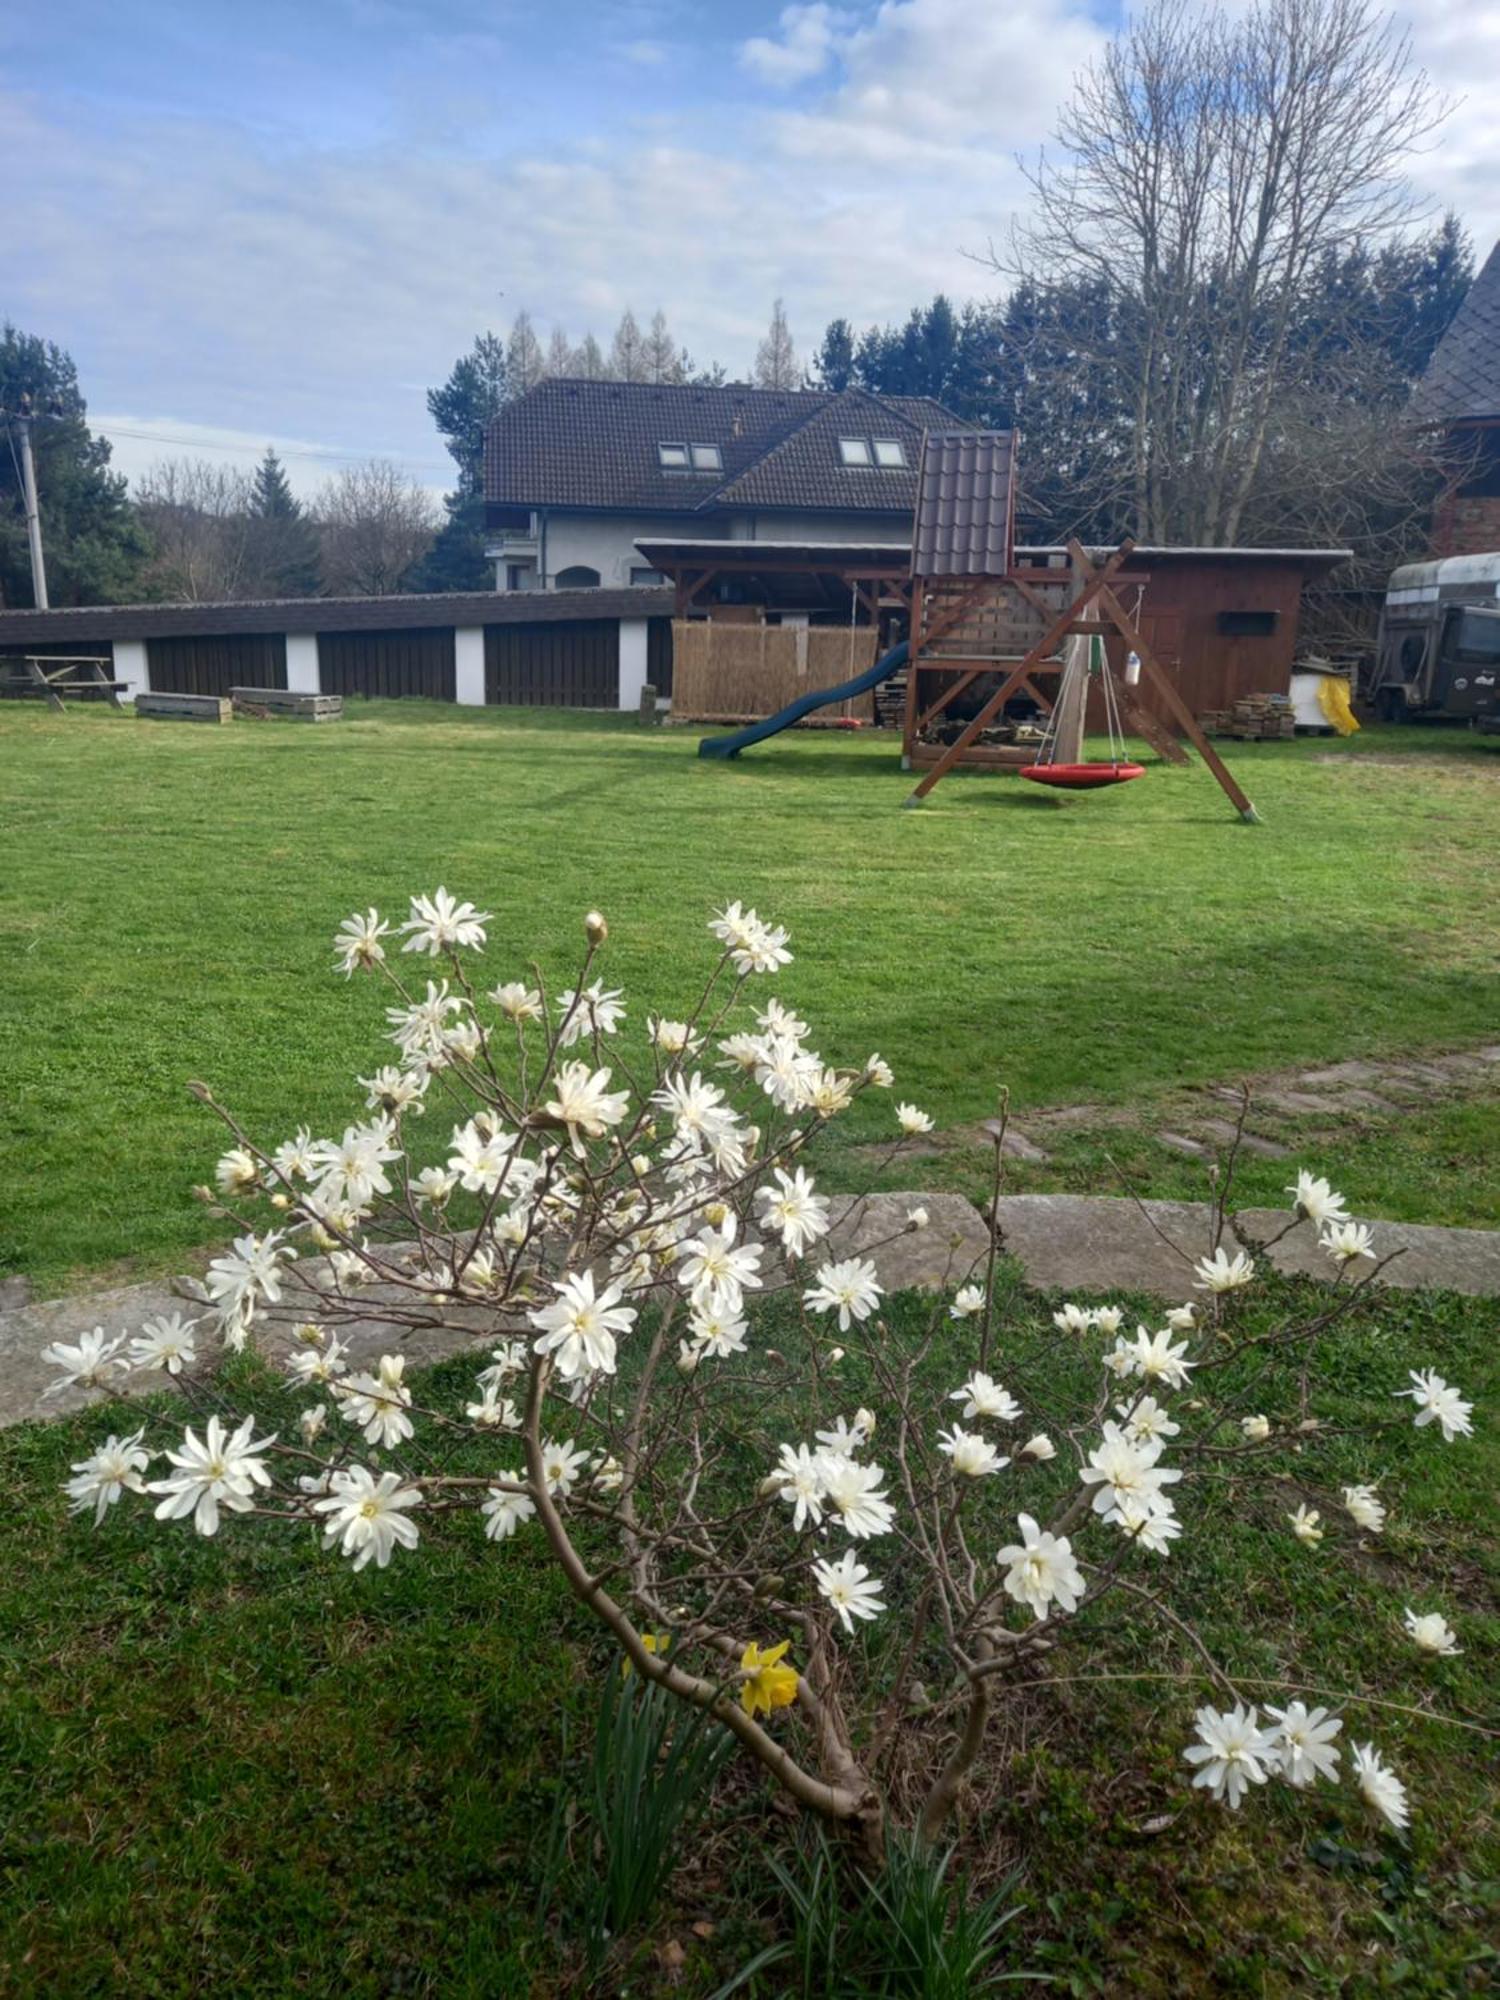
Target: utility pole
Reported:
[(22, 422)]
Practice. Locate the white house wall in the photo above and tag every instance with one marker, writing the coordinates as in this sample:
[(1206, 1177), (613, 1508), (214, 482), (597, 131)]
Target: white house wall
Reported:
[(606, 542)]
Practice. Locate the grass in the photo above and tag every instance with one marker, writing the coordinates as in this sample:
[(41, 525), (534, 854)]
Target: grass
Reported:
[(170, 892), (235, 1765)]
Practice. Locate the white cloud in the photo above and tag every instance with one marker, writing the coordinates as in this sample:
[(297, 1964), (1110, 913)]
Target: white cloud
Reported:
[(802, 49)]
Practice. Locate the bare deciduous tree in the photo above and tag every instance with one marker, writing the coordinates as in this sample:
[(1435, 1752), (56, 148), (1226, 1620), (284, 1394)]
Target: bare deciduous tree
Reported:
[(199, 519), (1208, 163), (374, 523), (776, 363)]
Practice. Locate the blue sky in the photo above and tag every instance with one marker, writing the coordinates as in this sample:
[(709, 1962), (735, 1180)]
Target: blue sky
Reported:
[(275, 221)]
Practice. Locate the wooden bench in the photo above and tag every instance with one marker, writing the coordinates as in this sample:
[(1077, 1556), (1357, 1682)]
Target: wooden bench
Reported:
[(286, 701), (184, 707)]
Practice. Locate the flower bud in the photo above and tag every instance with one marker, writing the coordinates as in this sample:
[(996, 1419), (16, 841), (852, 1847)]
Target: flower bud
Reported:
[(835, 1355), (716, 1214), (917, 1218), (770, 1486), (769, 1586), (279, 1200), (688, 1359), (1256, 1429), (595, 929), (640, 1165), (1041, 1448)]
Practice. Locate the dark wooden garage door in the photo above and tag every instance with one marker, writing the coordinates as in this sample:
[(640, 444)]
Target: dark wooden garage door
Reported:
[(391, 664), (659, 655), (571, 663), (213, 664)]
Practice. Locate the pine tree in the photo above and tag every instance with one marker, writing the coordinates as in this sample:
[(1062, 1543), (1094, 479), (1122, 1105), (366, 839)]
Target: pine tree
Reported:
[(283, 542), (776, 363), (835, 362), (94, 544), (627, 354), (476, 391), (524, 365)]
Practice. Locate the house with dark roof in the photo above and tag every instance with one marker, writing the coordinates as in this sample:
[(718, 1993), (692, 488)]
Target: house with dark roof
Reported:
[(1460, 395), (577, 472)]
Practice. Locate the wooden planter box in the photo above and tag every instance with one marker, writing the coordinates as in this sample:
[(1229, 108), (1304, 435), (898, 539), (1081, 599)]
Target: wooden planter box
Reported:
[(282, 701), (184, 707)]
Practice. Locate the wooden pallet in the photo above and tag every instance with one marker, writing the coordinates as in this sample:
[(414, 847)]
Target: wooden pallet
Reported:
[(184, 707), (289, 702)]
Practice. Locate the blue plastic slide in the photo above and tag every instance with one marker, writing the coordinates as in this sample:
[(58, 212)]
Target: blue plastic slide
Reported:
[(757, 732)]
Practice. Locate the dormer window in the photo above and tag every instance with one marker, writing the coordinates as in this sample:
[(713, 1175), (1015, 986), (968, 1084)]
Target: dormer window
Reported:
[(888, 452), (690, 457), (855, 451)]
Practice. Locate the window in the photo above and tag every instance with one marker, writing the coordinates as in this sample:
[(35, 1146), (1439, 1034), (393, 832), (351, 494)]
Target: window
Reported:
[(518, 576), (674, 457), (707, 458), (579, 577), (640, 574), (690, 458), (855, 451), (1247, 624), (888, 451)]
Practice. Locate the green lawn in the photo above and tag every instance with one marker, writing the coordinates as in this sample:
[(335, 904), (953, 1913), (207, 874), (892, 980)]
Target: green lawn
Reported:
[(170, 891)]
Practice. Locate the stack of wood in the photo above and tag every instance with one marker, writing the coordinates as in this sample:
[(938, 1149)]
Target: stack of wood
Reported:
[(1254, 718)]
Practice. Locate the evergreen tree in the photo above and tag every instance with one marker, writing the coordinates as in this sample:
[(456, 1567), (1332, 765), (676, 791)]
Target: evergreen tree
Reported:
[(94, 545), (627, 354), (776, 363), (283, 542), (835, 363), (474, 392)]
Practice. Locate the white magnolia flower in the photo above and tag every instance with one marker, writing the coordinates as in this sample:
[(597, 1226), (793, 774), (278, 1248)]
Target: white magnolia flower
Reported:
[(1109, 1319), (1149, 1520), (1431, 1632), (778, 1019), (366, 1514), (115, 1468), (1122, 1470), (717, 1333), (1439, 1402), (1233, 1752), (352, 1169), (1256, 1429), (237, 1281), (1145, 1418), (1344, 1241), (609, 1476), (323, 1362), (504, 1512), (221, 1471), (849, 1587), (493, 1412), (594, 1011), (673, 1038), (311, 1423), (1304, 1742), (378, 1403), (509, 1358), (847, 1437), (878, 1071), (484, 1155), (292, 1159), (434, 1184), (1365, 1508), (1182, 1319), (716, 1272), (238, 1172), (853, 1492), (583, 1101), (580, 1329), (1222, 1273), (1316, 1201), (792, 1209), (918, 1218), (562, 1466), (165, 1341), (440, 923), (418, 1029), (752, 944), (1305, 1525), (88, 1364), (517, 1001), (802, 1472), (982, 1396), (912, 1121), (1379, 1785), (1121, 1360), (967, 1301), (357, 945), (1073, 1319), (1158, 1360), (1040, 1448), (972, 1455), (1040, 1569), (393, 1091), (851, 1288)]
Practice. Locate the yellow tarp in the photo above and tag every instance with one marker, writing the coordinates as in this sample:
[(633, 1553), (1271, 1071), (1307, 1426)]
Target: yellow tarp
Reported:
[(1333, 699)]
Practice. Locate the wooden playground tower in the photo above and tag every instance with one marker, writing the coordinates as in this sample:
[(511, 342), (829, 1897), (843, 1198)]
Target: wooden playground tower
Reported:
[(977, 613)]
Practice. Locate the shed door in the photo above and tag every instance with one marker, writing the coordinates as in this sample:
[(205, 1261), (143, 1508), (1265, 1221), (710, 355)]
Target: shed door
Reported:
[(565, 663), (216, 662)]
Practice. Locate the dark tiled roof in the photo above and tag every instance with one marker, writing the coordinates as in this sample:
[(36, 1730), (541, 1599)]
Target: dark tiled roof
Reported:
[(594, 445), (1463, 376), (97, 622), (965, 506)]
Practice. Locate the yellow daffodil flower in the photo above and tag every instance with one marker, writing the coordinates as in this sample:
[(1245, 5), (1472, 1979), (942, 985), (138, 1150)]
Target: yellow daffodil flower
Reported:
[(767, 1684)]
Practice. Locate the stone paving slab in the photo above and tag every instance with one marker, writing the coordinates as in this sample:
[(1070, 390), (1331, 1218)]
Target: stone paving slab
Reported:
[(1431, 1259)]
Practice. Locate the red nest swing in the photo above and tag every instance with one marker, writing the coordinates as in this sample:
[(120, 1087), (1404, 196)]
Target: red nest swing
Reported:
[(1113, 770)]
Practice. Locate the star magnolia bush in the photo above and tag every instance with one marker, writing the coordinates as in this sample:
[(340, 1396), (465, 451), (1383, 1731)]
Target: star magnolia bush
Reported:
[(600, 1213)]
